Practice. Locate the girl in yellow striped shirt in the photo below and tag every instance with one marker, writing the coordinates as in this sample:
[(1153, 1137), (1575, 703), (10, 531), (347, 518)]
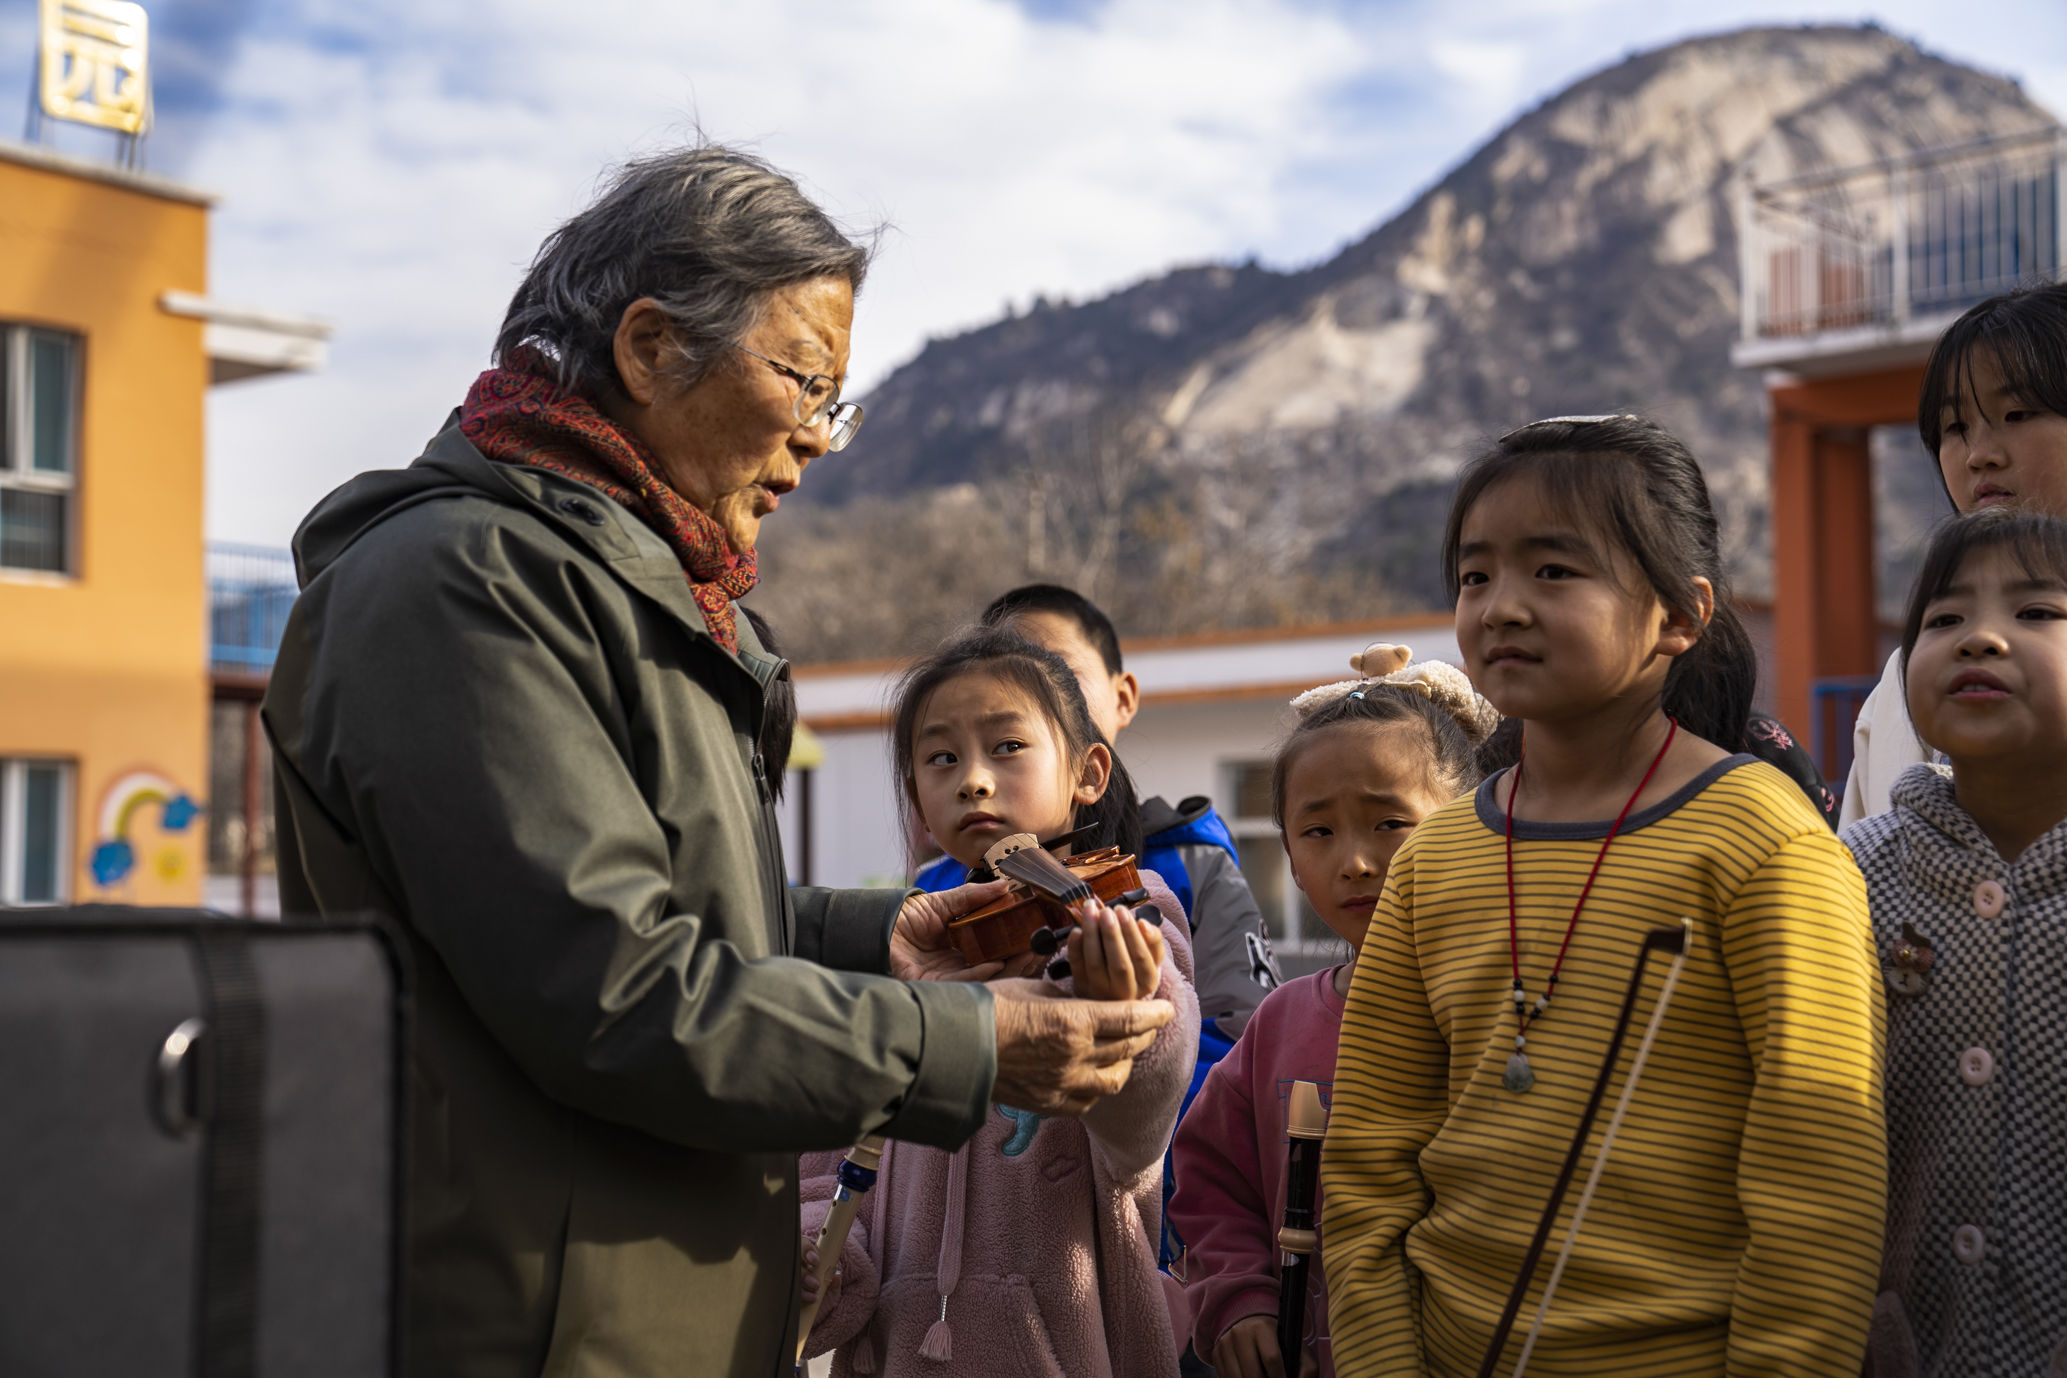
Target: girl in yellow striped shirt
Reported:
[(1736, 1229)]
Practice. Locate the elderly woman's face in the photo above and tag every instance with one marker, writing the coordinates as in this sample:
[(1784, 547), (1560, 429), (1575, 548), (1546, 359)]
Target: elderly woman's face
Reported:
[(730, 443)]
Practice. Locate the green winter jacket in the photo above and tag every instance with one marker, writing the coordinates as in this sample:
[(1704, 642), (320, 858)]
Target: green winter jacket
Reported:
[(498, 717)]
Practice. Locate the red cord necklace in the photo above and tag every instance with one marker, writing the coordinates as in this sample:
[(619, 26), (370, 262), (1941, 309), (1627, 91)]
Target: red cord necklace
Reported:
[(1519, 1076)]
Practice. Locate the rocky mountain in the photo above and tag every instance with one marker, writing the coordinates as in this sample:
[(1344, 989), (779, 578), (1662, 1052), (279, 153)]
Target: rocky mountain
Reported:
[(1228, 446)]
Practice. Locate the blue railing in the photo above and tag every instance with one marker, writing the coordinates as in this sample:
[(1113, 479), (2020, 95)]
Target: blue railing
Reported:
[(1834, 706), (251, 589)]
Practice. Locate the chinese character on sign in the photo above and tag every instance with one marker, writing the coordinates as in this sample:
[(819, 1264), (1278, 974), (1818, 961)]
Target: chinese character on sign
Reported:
[(93, 64)]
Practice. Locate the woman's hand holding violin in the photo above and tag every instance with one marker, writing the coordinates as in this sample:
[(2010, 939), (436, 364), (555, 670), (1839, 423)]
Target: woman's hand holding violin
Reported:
[(1113, 955), (919, 946)]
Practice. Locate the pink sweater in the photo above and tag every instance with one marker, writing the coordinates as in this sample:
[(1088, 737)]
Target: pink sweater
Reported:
[(1230, 1165), (1039, 1233)]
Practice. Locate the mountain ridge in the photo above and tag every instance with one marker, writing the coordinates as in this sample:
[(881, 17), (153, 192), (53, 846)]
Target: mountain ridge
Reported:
[(1224, 445)]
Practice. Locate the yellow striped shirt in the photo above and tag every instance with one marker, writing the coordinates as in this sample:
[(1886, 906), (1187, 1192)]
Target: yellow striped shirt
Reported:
[(1738, 1227)]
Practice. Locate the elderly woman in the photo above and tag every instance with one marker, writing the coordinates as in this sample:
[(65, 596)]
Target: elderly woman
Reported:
[(516, 709)]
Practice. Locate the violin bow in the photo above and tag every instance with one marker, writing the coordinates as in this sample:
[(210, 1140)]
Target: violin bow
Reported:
[(857, 1175), (1679, 942)]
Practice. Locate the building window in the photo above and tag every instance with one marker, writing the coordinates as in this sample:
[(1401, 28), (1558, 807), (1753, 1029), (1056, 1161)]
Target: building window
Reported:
[(35, 828), (39, 464), (1291, 921)]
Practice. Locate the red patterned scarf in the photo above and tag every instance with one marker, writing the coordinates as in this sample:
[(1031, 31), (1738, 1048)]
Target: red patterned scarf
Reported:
[(516, 414)]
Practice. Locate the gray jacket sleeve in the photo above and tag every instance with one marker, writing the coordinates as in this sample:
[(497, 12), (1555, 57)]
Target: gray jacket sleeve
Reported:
[(461, 729), (1230, 947)]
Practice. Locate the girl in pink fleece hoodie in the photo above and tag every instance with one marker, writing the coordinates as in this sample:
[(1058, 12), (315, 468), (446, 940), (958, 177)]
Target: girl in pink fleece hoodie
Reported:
[(1367, 761), (1031, 1250)]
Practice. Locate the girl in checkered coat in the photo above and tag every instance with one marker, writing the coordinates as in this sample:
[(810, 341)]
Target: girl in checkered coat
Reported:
[(1967, 876)]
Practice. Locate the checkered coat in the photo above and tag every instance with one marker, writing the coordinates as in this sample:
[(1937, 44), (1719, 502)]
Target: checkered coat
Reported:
[(1974, 1280)]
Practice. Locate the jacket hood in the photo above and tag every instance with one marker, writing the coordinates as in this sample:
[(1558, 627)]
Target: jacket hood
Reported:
[(449, 466)]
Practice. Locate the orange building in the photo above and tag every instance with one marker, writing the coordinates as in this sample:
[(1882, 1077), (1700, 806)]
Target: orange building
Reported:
[(107, 343), (1848, 276)]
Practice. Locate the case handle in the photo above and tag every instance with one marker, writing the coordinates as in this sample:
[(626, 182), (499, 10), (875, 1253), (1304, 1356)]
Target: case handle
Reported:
[(177, 1101)]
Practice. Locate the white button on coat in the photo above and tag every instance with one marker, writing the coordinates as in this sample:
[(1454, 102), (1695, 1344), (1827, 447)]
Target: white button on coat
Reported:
[(1969, 1244), (1977, 1066), (1989, 899)]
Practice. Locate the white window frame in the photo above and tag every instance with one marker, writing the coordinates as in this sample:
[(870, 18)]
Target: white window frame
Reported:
[(14, 790), (17, 444)]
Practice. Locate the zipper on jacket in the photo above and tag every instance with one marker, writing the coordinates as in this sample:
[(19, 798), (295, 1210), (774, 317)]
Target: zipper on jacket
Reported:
[(771, 854)]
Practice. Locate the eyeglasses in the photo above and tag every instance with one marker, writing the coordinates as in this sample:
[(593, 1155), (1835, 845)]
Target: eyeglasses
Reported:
[(1569, 421), (818, 399)]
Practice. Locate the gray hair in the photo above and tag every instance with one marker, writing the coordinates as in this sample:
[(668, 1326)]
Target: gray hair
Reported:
[(706, 231)]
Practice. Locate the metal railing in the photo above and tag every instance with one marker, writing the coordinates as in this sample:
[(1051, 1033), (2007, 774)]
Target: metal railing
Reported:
[(1834, 705), (1922, 236), (251, 589)]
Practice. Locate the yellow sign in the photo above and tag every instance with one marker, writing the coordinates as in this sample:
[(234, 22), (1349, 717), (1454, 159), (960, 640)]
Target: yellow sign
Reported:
[(93, 64)]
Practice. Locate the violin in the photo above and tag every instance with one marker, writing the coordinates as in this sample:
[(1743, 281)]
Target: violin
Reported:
[(1039, 912)]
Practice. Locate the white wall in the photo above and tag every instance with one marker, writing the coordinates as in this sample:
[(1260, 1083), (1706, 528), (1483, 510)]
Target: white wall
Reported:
[(1206, 703)]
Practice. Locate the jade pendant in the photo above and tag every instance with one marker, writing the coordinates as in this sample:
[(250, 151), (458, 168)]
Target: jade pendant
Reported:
[(1518, 1076)]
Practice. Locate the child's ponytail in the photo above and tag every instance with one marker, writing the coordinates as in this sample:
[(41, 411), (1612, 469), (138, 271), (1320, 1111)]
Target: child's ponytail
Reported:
[(1631, 484)]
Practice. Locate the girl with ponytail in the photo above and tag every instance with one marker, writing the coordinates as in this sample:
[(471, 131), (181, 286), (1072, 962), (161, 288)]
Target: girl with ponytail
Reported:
[(1737, 1229)]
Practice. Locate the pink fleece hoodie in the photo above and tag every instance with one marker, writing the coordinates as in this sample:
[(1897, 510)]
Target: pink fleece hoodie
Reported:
[(1230, 1165), (1031, 1251)]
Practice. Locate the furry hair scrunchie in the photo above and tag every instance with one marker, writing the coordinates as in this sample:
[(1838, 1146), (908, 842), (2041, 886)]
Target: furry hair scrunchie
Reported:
[(1441, 682)]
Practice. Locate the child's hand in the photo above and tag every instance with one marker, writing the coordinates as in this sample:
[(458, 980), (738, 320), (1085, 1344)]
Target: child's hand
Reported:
[(810, 1285), (1249, 1349), (1113, 955)]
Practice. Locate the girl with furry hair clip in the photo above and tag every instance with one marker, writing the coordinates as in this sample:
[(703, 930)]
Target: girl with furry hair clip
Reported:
[(1368, 759)]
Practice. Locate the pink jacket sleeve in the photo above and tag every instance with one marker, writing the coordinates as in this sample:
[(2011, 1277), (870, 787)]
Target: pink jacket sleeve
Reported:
[(1129, 1131), (855, 1300), (1221, 1209)]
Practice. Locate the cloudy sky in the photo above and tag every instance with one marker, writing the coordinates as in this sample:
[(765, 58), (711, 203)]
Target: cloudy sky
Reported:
[(389, 165)]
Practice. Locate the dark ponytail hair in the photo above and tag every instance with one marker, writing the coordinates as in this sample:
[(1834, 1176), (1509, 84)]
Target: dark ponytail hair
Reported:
[(1630, 484), (1450, 757), (1043, 677)]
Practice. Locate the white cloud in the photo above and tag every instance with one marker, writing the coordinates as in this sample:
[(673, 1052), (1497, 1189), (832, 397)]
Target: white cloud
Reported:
[(391, 164), (398, 189)]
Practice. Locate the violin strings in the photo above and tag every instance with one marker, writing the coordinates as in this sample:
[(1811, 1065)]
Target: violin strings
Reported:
[(1036, 867)]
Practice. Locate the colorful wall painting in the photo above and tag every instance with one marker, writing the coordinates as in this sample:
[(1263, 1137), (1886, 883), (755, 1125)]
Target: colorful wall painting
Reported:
[(127, 803)]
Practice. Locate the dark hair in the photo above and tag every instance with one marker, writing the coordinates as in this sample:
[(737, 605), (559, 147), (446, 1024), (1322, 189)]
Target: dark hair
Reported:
[(1043, 677), (2025, 331), (2037, 541), (1629, 481), (1452, 760), (708, 232), (778, 709), (1096, 626)]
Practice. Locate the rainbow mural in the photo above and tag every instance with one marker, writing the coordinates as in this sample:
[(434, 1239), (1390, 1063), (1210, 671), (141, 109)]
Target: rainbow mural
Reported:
[(114, 854)]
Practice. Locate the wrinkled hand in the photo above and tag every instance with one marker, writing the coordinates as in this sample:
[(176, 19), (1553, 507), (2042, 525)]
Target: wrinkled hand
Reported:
[(1249, 1349), (1059, 1056), (1113, 955), (919, 946)]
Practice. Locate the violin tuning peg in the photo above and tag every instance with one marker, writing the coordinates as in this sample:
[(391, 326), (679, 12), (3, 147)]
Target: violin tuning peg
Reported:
[(1044, 941), (1058, 970), (1149, 913), (1138, 895)]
